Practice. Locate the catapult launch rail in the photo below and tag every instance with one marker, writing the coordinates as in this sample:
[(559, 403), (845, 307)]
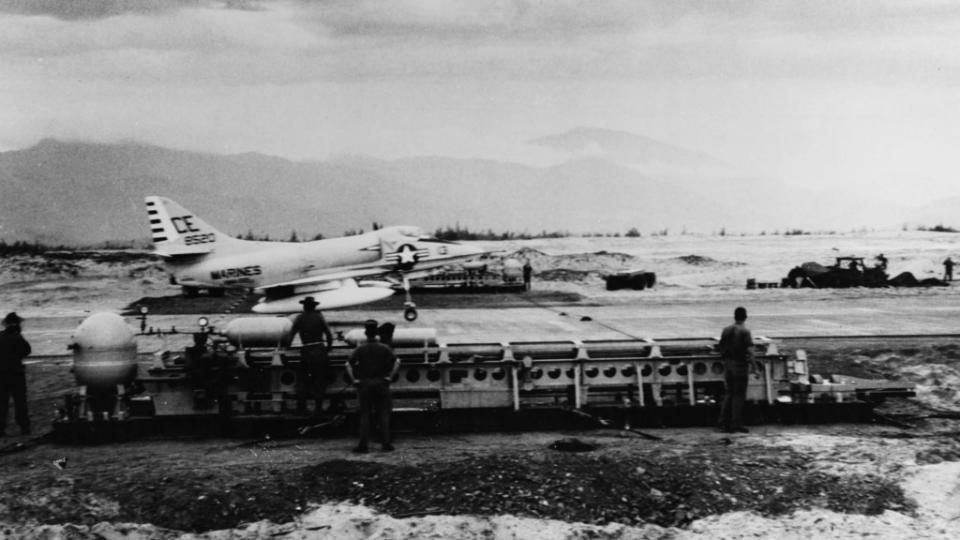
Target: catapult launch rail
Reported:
[(244, 380)]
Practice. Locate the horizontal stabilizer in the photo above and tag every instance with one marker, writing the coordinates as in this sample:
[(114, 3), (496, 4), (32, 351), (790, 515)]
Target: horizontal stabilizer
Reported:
[(183, 251)]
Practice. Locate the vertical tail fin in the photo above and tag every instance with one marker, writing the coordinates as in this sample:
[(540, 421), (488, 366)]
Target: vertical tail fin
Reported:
[(177, 231)]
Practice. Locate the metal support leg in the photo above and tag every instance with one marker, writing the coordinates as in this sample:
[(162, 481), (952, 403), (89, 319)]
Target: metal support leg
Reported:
[(636, 368), (768, 384), (516, 387), (577, 375)]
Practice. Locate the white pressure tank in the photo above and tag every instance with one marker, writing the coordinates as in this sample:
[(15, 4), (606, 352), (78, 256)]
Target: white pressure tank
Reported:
[(259, 332), (402, 337), (104, 352)]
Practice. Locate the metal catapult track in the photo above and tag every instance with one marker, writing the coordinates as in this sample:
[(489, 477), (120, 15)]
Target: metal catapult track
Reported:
[(481, 386)]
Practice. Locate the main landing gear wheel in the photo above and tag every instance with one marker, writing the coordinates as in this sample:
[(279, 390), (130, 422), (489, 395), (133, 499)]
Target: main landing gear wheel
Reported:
[(410, 313)]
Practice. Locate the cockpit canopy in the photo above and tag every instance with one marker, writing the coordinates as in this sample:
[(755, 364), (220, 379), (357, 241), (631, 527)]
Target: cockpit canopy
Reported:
[(410, 231)]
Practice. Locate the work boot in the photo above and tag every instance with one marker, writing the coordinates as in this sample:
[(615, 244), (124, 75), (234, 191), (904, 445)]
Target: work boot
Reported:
[(25, 430), (387, 447), (361, 449), (740, 429)]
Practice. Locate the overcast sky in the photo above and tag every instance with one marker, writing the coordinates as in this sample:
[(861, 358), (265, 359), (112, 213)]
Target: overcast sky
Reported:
[(858, 93)]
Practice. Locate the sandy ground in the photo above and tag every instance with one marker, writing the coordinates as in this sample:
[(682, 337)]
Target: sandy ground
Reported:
[(924, 461), (838, 450)]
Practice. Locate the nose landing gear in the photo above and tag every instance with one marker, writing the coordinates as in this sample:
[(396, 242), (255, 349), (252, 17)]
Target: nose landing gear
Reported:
[(409, 307)]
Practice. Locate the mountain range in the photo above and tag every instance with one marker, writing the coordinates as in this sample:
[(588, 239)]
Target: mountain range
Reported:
[(606, 182)]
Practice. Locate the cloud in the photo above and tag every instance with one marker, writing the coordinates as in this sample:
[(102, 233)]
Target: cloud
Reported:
[(72, 10), (290, 42), (469, 20)]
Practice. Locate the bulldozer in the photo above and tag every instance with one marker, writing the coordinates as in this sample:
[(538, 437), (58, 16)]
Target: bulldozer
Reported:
[(846, 272)]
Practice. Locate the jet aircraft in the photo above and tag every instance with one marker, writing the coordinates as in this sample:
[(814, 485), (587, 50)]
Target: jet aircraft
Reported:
[(337, 272)]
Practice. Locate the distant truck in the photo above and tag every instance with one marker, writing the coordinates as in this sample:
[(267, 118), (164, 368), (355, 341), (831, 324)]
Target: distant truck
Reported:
[(630, 279)]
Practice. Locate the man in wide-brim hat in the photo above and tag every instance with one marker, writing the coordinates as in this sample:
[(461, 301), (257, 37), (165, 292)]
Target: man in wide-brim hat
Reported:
[(13, 377), (316, 340)]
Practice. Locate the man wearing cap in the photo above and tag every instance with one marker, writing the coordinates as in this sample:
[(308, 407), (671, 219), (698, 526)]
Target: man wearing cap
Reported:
[(372, 366), (316, 339), (736, 349), (13, 378)]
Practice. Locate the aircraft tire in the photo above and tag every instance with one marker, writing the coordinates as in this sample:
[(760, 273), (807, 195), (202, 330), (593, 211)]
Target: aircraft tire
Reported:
[(191, 292), (410, 314)]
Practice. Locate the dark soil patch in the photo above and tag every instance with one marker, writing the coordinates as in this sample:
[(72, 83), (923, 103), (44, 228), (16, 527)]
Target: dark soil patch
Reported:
[(672, 489), (233, 301), (696, 260)]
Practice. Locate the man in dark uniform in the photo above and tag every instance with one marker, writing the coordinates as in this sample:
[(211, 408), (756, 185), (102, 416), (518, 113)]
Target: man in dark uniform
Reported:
[(385, 333), (316, 340), (527, 273), (881, 262), (736, 349), (13, 377), (948, 269), (372, 366)]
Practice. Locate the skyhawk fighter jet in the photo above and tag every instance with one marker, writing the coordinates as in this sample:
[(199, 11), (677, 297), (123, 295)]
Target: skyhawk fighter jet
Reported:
[(336, 272)]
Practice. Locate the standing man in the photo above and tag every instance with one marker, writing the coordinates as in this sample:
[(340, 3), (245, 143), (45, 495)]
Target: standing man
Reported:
[(527, 273), (736, 349), (316, 340), (948, 269), (881, 261), (372, 366), (13, 376)]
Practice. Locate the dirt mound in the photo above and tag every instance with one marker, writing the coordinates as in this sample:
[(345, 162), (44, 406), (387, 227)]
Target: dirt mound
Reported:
[(61, 265), (907, 279), (106, 256), (598, 261), (527, 253), (698, 260), (21, 267), (934, 368)]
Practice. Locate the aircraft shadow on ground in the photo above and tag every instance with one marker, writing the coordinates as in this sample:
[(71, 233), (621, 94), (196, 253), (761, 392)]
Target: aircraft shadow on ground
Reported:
[(242, 302)]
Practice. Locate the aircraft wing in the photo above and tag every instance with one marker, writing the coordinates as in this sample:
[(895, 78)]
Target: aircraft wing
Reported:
[(323, 278)]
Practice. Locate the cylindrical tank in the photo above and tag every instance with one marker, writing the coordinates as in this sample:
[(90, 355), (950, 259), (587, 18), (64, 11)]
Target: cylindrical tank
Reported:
[(104, 352), (259, 332), (402, 337), (512, 269)]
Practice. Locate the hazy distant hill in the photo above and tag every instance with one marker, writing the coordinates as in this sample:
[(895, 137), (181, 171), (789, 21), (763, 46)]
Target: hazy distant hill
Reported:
[(88, 193), (632, 150)]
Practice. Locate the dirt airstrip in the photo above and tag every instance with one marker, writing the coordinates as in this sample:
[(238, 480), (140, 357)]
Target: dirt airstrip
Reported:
[(898, 477)]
